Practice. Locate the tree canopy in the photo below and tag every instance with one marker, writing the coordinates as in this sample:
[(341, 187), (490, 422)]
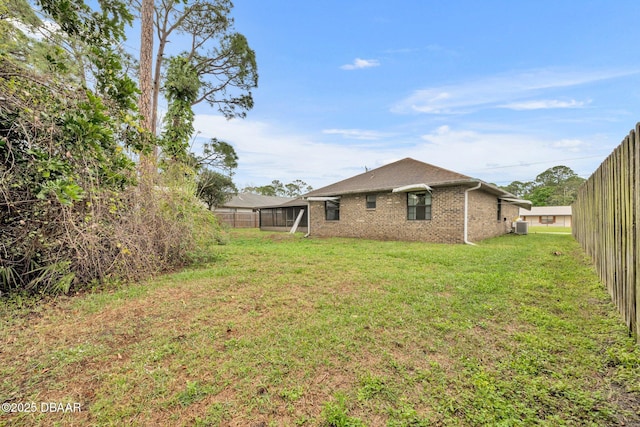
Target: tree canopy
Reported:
[(214, 188), (557, 186), (224, 64), (72, 211), (295, 188), (210, 62)]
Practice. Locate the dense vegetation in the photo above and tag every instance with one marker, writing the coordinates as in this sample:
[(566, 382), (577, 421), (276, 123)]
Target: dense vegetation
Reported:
[(75, 206), (557, 186)]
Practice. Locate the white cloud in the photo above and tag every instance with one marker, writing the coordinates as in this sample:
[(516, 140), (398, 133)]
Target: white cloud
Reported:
[(499, 91), (267, 152), (361, 63), (356, 133), (570, 144), (543, 104), (503, 157)]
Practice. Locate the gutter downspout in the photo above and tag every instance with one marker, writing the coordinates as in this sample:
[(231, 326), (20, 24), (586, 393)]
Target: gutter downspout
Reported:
[(466, 213)]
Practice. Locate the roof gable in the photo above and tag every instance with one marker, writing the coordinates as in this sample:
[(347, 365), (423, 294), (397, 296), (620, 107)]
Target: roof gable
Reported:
[(393, 175)]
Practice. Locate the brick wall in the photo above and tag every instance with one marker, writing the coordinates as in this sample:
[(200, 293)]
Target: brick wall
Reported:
[(483, 216), (388, 221)]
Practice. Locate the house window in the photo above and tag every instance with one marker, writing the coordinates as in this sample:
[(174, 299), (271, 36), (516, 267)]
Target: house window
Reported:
[(499, 210), (371, 201), (332, 210), (419, 206), (547, 219)]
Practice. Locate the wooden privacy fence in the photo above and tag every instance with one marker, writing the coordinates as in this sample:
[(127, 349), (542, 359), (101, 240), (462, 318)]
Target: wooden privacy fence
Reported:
[(605, 216), (239, 219)]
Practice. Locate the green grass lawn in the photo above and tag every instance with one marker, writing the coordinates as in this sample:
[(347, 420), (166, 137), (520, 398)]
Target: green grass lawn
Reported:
[(285, 331), (544, 229)]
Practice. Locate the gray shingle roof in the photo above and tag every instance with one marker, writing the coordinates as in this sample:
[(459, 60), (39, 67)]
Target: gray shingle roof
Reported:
[(297, 202), (546, 210), (250, 200), (393, 175)]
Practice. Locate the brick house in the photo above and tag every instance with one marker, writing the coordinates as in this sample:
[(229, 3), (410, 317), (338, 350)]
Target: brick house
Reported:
[(412, 200)]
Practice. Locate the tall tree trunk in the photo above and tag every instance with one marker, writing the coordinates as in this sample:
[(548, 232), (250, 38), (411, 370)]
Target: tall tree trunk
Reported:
[(156, 83), (146, 59)]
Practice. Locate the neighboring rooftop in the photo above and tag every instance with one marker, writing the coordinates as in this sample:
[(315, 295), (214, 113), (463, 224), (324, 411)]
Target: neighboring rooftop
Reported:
[(298, 201), (546, 210), (250, 200)]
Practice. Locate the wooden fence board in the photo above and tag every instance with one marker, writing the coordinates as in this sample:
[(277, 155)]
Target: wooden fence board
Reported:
[(629, 230), (636, 219), (606, 213), (239, 219)]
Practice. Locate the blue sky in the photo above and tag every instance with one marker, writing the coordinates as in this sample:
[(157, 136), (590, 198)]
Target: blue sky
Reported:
[(498, 90)]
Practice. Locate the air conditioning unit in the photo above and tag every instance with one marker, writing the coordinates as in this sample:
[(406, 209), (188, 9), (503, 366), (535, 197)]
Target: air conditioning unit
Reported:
[(521, 227)]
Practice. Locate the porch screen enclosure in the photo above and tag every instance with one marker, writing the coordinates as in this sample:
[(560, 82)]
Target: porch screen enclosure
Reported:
[(282, 217)]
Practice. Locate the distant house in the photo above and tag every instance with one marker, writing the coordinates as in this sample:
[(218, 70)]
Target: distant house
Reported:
[(242, 210), (412, 200), (552, 216)]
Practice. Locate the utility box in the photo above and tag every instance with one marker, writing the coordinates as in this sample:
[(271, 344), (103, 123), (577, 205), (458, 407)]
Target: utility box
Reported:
[(521, 227)]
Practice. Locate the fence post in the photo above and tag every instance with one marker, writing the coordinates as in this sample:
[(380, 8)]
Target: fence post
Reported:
[(635, 170)]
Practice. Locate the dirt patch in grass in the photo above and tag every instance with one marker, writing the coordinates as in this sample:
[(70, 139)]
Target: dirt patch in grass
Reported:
[(629, 404)]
